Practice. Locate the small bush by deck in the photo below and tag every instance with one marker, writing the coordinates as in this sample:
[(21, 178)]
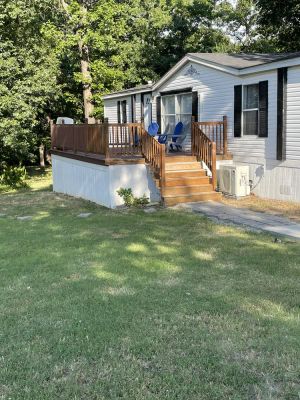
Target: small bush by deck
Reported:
[(133, 305)]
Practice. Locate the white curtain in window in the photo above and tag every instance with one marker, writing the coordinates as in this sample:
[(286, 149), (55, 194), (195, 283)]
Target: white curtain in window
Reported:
[(177, 108)]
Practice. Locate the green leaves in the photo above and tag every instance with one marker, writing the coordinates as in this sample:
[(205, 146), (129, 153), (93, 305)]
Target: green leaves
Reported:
[(28, 71), (280, 23), (45, 43)]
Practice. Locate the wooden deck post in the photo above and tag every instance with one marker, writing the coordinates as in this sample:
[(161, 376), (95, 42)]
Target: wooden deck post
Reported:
[(214, 165), (106, 138), (225, 127), (163, 168), (193, 136)]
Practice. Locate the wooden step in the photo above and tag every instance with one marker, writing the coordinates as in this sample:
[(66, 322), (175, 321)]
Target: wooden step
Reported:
[(188, 180), (178, 190), (191, 198), (182, 166), (179, 159), (185, 174)]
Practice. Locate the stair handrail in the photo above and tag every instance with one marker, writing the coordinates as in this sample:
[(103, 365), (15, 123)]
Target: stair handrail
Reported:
[(205, 150), (216, 131), (155, 154)]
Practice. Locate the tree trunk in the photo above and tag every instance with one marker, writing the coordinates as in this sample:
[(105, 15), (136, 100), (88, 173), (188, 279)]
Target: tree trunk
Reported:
[(86, 78), (85, 70), (42, 155)]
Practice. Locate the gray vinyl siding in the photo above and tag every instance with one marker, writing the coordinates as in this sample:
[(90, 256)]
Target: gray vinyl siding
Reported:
[(111, 109), (252, 146), (138, 107), (293, 115), (216, 95)]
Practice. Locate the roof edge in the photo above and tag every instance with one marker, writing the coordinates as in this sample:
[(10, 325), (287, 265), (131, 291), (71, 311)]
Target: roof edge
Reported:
[(128, 92), (286, 61)]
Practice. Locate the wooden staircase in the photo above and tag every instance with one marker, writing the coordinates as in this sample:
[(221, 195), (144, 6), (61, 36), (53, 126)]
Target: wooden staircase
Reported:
[(185, 181), (180, 177)]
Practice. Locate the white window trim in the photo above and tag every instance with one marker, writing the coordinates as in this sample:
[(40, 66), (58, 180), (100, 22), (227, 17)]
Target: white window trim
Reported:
[(177, 108), (248, 109)]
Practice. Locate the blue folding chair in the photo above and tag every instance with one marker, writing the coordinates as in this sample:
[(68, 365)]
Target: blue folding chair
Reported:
[(177, 137), (153, 129)]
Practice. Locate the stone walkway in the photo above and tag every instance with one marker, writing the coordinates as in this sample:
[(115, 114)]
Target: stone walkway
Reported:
[(240, 216)]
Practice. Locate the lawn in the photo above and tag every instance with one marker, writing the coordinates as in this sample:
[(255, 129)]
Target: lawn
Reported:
[(129, 305)]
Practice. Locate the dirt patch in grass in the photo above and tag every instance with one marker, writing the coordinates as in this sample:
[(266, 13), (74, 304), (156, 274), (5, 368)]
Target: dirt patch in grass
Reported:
[(283, 208)]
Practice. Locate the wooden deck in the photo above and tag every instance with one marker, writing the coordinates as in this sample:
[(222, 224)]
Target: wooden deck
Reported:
[(99, 159), (116, 144)]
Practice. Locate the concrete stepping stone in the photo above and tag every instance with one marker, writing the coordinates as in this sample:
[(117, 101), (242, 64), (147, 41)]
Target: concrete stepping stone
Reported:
[(150, 210), (25, 218), (84, 215)]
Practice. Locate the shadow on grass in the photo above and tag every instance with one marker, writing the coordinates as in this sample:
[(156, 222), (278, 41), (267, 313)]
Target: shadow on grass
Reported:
[(157, 306)]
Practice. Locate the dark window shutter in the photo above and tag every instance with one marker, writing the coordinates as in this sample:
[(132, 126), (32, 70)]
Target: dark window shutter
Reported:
[(238, 98), (158, 112), (124, 112), (142, 107), (281, 113), (195, 103), (133, 108), (263, 109), (119, 111)]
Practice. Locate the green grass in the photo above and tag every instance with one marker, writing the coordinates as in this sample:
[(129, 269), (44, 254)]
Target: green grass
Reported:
[(128, 305)]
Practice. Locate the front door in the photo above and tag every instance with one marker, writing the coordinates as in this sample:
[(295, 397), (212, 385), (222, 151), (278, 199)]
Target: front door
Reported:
[(177, 108), (147, 110)]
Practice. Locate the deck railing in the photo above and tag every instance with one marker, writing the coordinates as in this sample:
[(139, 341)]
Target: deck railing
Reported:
[(122, 140), (108, 140), (216, 131), (154, 152), (111, 141), (80, 138), (205, 150)]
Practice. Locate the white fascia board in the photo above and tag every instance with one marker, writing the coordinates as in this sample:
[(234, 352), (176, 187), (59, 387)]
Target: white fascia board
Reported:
[(293, 62), (229, 70), (187, 59), (126, 94)]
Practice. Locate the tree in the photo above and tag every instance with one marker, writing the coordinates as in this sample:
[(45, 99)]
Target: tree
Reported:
[(192, 29), (77, 23), (131, 42), (240, 21), (59, 57), (279, 22), (114, 36), (28, 70)]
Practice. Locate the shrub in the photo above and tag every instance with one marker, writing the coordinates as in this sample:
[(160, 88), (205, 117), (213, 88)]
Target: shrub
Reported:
[(140, 201), (130, 200), (13, 176)]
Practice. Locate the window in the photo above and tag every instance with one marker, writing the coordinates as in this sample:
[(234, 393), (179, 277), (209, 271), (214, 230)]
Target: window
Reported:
[(122, 112), (250, 109), (168, 114), (176, 108)]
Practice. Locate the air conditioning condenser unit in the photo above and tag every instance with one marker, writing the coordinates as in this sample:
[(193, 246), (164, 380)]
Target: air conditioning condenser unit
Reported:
[(234, 180)]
